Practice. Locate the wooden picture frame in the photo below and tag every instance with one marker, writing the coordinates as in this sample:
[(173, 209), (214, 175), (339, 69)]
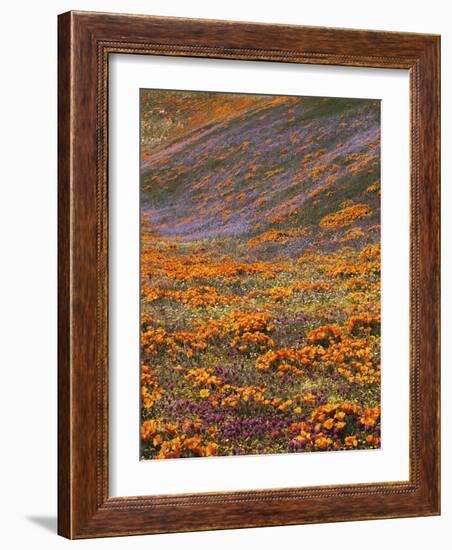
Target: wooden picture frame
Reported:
[(85, 42)]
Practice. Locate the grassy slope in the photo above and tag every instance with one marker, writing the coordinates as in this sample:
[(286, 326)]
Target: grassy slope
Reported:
[(207, 188)]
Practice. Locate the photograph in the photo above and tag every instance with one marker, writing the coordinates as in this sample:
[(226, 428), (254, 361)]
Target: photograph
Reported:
[(260, 274)]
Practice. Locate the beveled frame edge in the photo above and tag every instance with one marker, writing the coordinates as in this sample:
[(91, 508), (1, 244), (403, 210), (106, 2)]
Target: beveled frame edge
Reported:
[(85, 41)]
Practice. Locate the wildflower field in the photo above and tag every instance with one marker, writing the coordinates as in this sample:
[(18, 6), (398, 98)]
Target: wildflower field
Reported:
[(260, 274)]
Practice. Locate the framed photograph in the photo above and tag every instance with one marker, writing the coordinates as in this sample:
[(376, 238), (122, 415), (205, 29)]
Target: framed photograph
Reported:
[(248, 275)]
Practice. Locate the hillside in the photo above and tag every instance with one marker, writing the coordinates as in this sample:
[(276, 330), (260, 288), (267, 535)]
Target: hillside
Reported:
[(281, 166)]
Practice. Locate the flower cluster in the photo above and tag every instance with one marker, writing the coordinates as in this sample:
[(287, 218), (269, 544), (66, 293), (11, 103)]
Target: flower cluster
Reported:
[(274, 235), (197, 296), (345, 217), (325, 335), (337, 426), (165, 443)]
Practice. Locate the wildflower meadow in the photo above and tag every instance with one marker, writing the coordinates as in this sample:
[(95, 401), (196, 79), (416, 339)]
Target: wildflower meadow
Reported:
[(260, 274)]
